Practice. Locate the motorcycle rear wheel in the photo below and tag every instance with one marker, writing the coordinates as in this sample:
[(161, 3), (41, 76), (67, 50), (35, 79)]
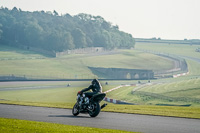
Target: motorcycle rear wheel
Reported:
[(96, 109)]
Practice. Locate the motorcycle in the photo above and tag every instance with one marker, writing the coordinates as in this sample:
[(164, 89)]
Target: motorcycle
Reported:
[(89, 105)]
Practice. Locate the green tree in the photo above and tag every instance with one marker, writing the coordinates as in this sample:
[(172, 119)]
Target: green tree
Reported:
[(79, 38), (68, 41), (33, 33), (55, 13), (1, 31), (49, 31)]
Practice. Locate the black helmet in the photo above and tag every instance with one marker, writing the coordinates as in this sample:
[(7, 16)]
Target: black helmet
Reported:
[(94, 81)]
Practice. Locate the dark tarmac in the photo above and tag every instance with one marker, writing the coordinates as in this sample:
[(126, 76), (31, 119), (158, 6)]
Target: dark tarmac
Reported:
[(128, 122)]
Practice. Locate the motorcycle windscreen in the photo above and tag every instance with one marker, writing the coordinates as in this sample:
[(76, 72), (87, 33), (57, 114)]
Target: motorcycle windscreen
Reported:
[(98, 97)]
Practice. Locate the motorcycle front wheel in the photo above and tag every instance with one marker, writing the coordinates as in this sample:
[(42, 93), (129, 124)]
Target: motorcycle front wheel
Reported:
[(75, 110), (95, 109)]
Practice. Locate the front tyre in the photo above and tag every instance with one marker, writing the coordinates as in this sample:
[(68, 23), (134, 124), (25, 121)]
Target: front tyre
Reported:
[(75, 110), (95, 109)]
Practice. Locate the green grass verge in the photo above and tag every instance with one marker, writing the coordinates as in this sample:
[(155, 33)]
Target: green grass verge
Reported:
[(185, 112), (24, 126)]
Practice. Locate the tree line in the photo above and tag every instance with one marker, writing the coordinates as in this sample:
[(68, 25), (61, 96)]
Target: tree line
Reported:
[(53, 32)]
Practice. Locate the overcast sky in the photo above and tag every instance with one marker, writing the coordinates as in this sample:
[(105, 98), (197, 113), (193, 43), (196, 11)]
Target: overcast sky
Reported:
[(167, 19)]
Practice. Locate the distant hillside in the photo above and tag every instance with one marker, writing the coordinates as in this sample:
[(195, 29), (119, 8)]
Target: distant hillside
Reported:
[(159, 40), (52, 32), (18, 63)]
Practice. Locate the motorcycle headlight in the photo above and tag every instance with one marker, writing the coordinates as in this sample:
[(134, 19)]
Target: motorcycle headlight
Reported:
[(83, 95)]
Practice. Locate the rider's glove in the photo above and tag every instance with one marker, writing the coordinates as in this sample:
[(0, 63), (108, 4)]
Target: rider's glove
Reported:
[(80, 92)]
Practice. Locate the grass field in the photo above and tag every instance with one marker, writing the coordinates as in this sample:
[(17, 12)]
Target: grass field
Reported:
[(52, 94), (194, 68), (56, 92), (32, 65), (180, 93), (178, 49), (24, 126), (57, 95)]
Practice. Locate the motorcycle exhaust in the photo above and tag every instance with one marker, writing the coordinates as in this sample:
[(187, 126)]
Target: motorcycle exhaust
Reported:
[(103, 106)]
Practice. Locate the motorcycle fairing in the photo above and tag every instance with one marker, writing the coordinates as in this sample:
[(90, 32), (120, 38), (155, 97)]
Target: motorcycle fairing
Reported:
[(98, 97)]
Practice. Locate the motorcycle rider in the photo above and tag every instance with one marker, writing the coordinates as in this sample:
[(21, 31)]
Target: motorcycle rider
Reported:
[(95, 87)]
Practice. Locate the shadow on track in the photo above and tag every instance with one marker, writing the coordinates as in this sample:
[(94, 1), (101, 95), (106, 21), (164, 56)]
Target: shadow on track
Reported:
[(69, 116)]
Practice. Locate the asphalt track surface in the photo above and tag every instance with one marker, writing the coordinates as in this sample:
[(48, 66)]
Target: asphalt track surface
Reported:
[(128, 122)]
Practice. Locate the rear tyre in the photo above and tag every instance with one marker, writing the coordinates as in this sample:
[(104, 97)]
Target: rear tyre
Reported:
[(75, 110), (95, 109)]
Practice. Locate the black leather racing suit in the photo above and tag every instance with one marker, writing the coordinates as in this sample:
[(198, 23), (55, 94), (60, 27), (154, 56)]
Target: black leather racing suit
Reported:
[(95, 87)]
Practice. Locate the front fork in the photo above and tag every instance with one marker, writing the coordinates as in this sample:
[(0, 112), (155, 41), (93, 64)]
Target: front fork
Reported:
[(79, 100)]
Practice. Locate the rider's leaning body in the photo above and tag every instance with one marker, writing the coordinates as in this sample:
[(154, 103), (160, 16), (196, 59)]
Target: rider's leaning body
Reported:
[(95, 87)]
